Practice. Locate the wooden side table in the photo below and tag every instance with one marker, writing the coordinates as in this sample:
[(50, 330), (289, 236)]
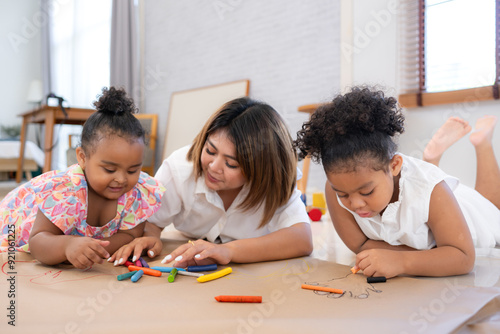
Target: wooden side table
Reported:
[(302, 183), (49, 116)]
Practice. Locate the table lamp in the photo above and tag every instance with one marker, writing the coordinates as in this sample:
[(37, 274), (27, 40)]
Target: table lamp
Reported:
[(35, 93)]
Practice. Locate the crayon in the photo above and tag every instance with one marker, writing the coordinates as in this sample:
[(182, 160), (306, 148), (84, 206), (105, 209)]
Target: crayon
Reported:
[(138, 263), (321, 288), (354, 270), (208, 267), (166, 269), (137, 276), (126, 275), (239, 299), (172, 275), (376, 279), (128, 263), (217, 274), (188, 273), (147, 271), (143, 263)]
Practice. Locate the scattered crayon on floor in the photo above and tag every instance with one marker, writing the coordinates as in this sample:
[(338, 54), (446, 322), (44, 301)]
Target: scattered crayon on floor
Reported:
[(167, 269), (147, 271), (239, 299), (208, 267), (322, 288), (188, 273), (143, 263), (128, 263), (172, 275), (217, 274), (137, 276), (376, 279), (126, 275)]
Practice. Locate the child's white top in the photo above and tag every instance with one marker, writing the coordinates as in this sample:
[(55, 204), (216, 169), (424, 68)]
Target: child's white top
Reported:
[(198, 212), (405, 222)]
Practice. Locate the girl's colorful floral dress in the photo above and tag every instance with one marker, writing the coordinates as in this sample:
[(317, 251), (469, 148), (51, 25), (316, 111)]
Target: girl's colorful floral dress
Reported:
[(62, 197)]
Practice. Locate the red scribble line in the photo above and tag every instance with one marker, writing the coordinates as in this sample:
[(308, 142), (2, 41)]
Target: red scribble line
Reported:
[(51, 277)]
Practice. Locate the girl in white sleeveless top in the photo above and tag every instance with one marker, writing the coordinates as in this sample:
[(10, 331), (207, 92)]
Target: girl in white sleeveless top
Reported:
[(401, 215)]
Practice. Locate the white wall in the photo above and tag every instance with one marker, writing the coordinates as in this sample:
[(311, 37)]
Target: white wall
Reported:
[(287, 48), (20, 56), (375, 62)]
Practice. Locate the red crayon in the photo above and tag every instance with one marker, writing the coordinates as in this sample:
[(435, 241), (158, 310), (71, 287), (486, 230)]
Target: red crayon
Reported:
[(239, 299)]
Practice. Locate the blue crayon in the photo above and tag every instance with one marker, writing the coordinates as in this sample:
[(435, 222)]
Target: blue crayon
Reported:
[(126, 275), (208, 267), (144, 263), (167, 269), (137, 276)]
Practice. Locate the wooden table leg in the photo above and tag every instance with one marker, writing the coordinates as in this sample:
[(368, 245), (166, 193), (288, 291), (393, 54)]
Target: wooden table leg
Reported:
[(49, 137), (20, 160)]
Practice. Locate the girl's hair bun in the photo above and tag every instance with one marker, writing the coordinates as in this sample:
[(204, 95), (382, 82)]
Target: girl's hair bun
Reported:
[(114, 101)]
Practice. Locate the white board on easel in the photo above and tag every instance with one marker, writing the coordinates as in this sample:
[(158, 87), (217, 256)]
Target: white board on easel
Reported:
[(190, 109)]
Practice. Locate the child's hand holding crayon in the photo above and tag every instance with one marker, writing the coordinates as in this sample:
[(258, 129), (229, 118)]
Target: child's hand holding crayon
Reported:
[(83, 252)]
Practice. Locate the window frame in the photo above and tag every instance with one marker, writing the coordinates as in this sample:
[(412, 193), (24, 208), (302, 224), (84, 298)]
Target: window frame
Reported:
[(420, 97)]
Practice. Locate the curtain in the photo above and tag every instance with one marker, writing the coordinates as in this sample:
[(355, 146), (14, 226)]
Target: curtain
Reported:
[(45, 38), (125, 60)]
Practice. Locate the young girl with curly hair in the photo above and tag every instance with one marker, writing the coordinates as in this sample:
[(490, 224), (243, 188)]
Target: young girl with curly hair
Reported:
[(85, 213), (399, 214)]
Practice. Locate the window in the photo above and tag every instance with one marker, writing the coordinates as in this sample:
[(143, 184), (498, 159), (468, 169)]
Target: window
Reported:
[(80, 59), (80, 50), (448, 51)]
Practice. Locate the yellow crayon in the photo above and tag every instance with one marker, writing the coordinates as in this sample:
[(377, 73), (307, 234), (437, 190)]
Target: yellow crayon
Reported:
[(217, 274), (319, 202)]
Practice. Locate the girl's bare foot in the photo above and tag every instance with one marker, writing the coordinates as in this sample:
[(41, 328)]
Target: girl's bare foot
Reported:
[(483, 131), (449, 133)]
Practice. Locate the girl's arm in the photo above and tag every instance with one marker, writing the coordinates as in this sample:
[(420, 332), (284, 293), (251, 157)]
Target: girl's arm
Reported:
[(50, 246), (289, 242), (149, 241), (454, 253), (348, 229)]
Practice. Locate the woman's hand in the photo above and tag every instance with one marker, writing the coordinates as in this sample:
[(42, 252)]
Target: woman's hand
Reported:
[(381, 262), (83, 252), (153, 245), (199, 252)]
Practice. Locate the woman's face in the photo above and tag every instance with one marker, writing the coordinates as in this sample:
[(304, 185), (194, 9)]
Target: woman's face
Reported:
[(218, 161)]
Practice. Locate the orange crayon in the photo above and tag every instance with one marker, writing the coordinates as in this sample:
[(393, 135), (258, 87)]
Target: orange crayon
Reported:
[(147, 271), (354, 270), (322, 288), (239, 299)]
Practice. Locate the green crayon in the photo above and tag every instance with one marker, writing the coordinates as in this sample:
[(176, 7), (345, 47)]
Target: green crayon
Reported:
[(172, 275)]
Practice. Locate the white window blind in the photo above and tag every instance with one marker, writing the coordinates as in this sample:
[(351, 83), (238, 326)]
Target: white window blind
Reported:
[(411, 45)]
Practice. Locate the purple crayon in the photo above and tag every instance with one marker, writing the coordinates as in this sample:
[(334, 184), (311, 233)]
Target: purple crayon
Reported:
[(144, 263)]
